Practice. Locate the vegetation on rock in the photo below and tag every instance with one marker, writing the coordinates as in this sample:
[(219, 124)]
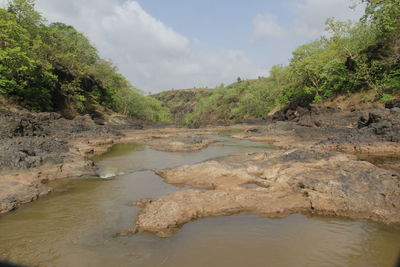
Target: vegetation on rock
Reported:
[(182, 103)]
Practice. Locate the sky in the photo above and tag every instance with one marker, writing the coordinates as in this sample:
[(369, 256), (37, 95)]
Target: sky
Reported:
[(161, 45)]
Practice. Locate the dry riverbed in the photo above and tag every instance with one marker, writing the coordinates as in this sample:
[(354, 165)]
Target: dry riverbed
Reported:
[(305, 175), (308, 172), (36, 149)]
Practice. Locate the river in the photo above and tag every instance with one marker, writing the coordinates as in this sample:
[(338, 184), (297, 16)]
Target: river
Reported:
[(77, 224)]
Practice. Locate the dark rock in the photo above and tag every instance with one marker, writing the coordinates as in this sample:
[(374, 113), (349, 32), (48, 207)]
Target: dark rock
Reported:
[(368, 119), (279, 116), (379, 125), (395, 111), (300, 111), (291, 114), (24, 153), (252, 130), (395, 103), (30, 140)]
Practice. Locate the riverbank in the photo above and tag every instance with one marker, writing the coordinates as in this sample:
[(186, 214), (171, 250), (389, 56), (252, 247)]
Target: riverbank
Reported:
[(38, 148)]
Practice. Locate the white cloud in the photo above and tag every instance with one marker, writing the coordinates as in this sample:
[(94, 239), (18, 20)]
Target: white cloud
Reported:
[(305, 22), (266, 26), (155, 57), (309, 17), (312, 14), (150, 54)]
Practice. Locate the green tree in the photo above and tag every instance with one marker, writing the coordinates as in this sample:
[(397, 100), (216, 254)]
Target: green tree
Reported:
[(384, 15), (26, 15), (21, 75)]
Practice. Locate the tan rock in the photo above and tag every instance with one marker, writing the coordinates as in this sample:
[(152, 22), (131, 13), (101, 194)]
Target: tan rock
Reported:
[(283, 182)]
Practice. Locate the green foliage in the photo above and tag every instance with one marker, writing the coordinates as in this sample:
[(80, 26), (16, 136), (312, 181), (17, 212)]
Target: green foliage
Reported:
[(54, 67), (191, 120), (391, 81), (26, 15), (130, 102), (355, 56), (23, 75), (180, 103), (352, 57), (239, 101), (385, 98), (384, 15)]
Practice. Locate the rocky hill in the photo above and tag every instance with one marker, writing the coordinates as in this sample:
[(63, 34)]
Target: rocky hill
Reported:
[(182, 103)]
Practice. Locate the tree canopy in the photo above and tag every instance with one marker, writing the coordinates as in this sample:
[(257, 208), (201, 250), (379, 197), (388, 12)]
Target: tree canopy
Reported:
[(53, 67)]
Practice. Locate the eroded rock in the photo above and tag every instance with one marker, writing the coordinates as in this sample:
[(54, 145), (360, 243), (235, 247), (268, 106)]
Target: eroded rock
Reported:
[(180, 143), (378, 132), (36, 148), (173, 140), (24, 186), (285, 182)]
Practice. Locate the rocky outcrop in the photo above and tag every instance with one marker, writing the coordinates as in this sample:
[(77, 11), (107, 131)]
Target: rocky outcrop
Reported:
[(25, 124), (274, 184), (395, 103), (315, 116), (377, 132), (30, 140), (373, 131), (179, 141), (25, 153), (24, 186), (38, 148), (171, 139)]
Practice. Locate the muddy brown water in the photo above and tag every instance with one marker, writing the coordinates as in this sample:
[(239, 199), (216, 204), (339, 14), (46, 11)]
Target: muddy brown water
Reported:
[(77, 224), (389, 162)]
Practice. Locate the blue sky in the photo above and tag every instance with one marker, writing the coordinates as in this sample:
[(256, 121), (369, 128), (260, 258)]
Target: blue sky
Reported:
[(219, 23), (216, 24), (229, 24), (160, 45)]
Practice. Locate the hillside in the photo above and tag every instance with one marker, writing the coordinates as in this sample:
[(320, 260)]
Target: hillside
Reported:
[(358, 61), (182, 103), (53, 67)]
